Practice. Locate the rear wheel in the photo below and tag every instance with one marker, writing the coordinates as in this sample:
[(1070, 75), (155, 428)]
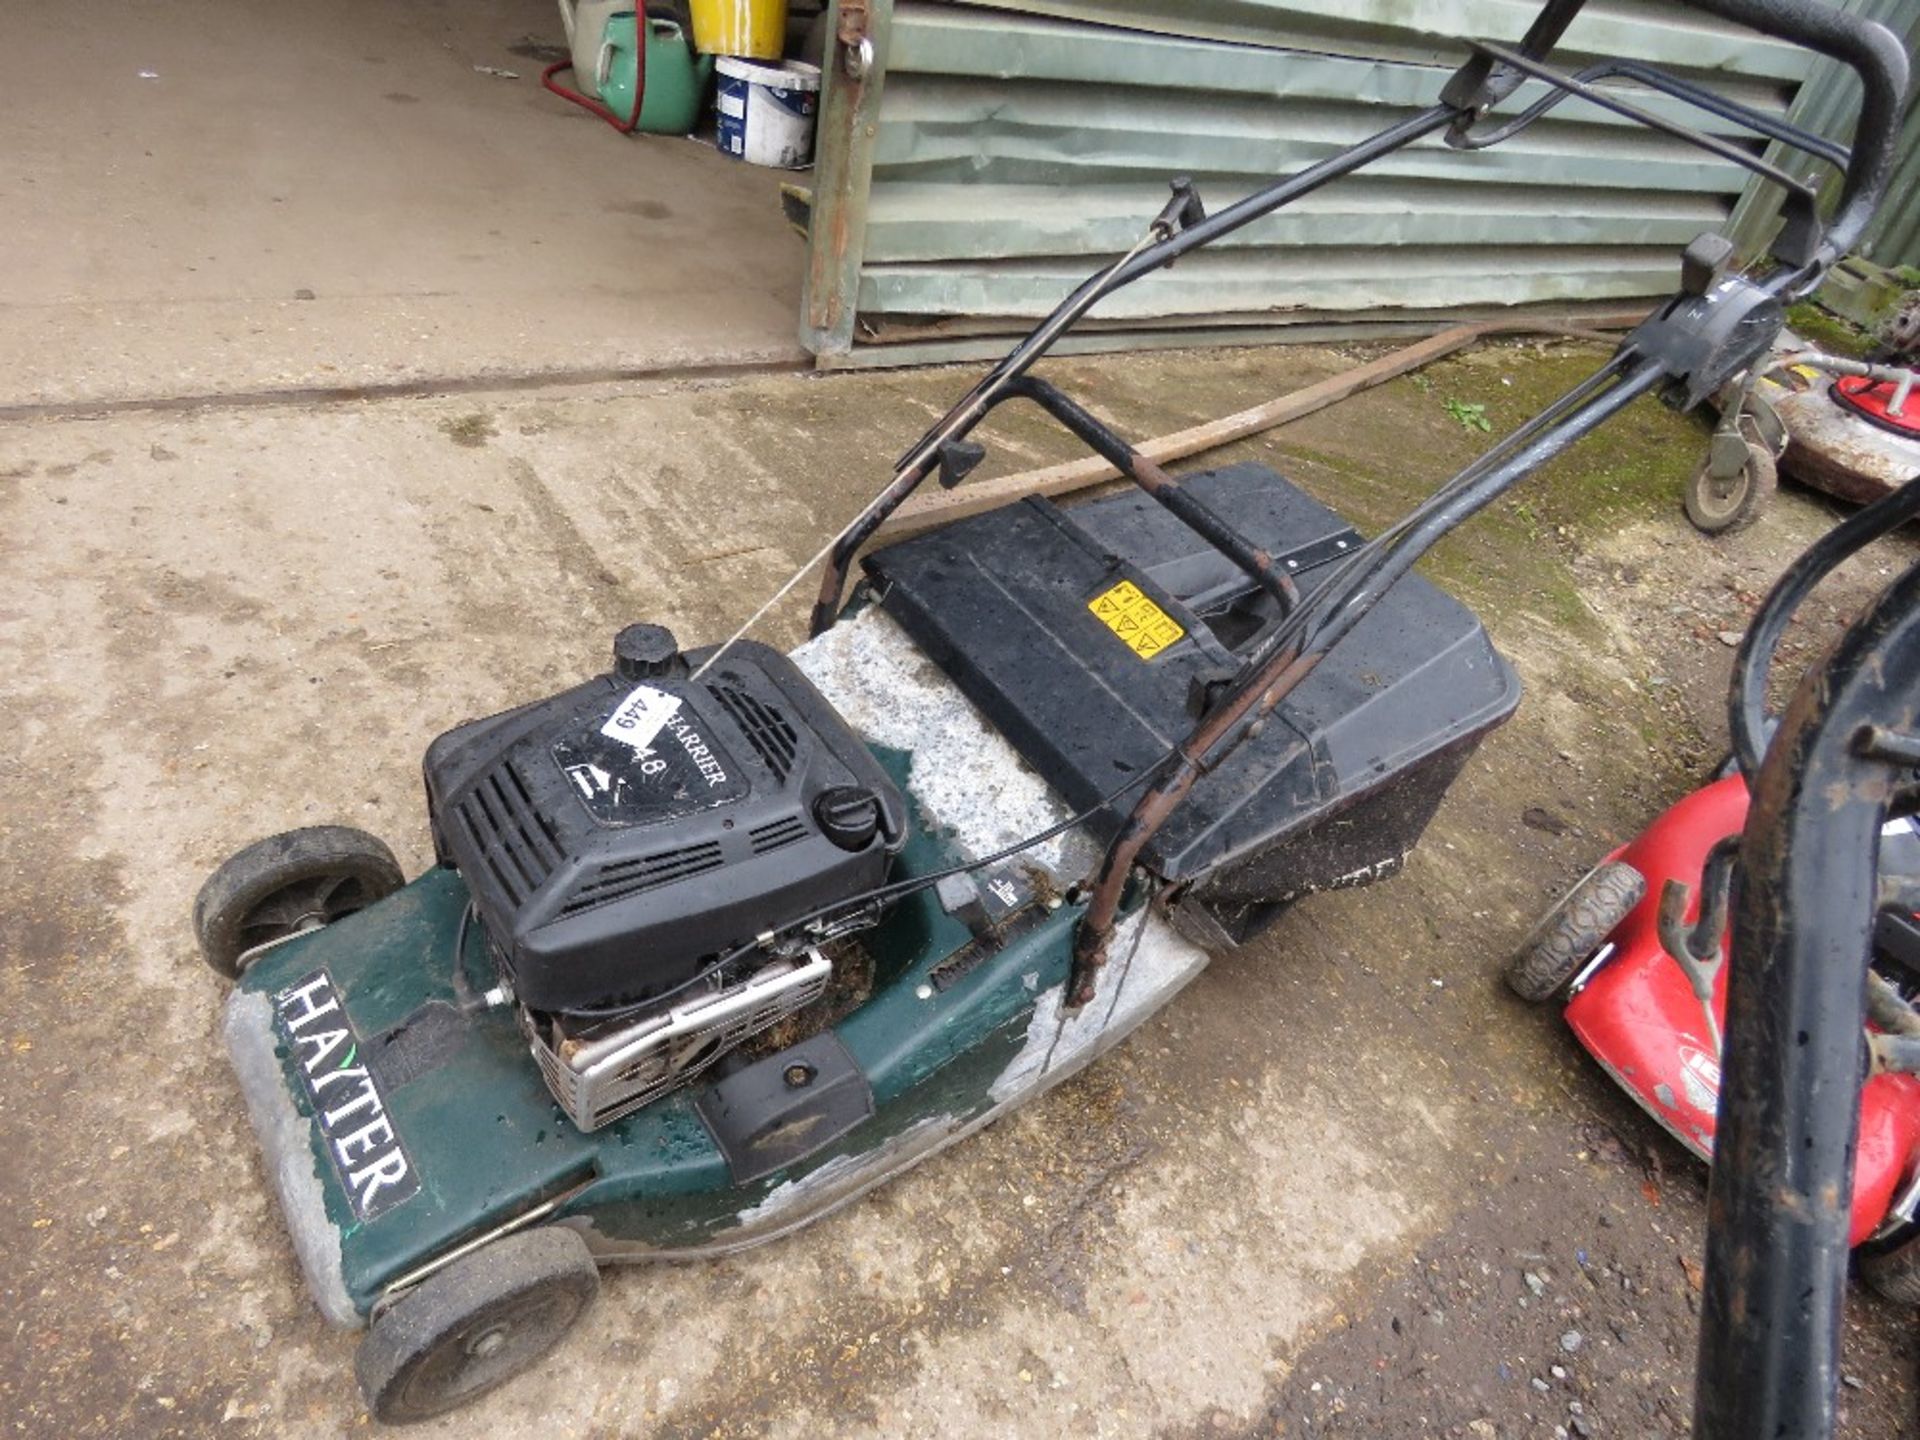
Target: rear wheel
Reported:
[(1568, 934), (475, 1325), (1891, 1267), (280, 886), (1720, 504)]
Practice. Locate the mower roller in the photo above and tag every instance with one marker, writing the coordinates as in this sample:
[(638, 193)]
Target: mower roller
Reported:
[(721, 938)]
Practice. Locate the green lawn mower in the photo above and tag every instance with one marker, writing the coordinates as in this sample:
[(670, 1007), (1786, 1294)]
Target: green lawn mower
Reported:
[(723, 937)]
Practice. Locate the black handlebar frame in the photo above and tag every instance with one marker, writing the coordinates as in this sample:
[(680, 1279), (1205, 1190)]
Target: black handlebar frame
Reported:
[(1871, 50), (1479, 84), (1747, 1381), (1780, 1203), (1747, 694), (1876, 57)]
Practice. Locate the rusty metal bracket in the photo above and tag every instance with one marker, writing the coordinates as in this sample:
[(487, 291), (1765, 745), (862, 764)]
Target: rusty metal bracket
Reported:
[(1256, 563), (852, 28), (855, 37)]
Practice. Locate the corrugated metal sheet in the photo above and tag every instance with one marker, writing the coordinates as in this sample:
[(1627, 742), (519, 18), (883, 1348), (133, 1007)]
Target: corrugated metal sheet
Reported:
[(1426, 31), (1007, 152), (1894, 238), (1829, 104)]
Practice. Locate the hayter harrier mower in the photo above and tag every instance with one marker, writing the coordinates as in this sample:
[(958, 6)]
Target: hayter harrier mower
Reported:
[(722, 938)]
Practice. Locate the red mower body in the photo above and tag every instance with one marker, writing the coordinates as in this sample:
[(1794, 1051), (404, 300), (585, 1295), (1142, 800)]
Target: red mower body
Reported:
[(1632, 1009), (1872, 400)]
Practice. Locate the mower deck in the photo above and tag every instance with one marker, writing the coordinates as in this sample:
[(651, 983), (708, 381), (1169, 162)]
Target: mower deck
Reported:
[(1840, 448), (398, 1127), (1635, 1014)]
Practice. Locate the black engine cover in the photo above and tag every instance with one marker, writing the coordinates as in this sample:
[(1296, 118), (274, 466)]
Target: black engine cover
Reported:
[(620, 834)]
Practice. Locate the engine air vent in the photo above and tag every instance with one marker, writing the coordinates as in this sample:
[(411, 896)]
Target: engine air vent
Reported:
[(777, 834), (773, 738), (622, 878), (519, 846)]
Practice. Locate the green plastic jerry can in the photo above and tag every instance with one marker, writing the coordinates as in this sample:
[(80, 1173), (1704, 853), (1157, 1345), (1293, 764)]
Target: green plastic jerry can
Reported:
[(676, 77)]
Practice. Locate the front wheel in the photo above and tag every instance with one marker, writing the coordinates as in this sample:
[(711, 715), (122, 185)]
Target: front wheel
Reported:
[(1568, 934), (1721, 504), (475, 1325), (280, 886)]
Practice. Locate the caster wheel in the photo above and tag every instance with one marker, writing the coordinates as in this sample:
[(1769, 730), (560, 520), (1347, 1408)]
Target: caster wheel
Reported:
[(1719, 505), (475, 1325), (1891, 1267), (280, 886), (1569, 933)]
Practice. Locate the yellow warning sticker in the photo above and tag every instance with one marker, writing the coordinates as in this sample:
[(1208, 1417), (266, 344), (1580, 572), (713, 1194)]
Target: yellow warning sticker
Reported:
[(1146, 628)]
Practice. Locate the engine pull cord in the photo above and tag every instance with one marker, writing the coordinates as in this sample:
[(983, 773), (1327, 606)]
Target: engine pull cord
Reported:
[(586, 102), (969, 411)]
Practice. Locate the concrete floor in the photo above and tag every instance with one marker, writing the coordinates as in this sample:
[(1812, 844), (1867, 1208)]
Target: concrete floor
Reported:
[(1301, 1201), (331, 195), (1343, 1185)]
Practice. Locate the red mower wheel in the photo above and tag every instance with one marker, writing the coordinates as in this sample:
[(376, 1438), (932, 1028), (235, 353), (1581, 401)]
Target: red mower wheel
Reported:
[(1568, 934)]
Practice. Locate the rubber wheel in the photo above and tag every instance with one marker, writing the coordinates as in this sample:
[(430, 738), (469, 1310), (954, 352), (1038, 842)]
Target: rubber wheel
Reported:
[(1570, 932), (475, 1325), (1891, 1267), (285, 884), (1719, 507)]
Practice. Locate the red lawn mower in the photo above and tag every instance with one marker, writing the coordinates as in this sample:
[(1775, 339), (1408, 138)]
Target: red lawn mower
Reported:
[(1640, 947), (1848, 427)]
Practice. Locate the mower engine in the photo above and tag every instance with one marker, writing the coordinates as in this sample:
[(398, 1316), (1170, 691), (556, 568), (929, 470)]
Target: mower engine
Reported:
[(635, 845)]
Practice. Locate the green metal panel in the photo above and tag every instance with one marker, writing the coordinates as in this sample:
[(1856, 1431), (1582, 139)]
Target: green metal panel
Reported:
[(1242, 284), (1424, 31), (1015, 144), (485, 1140)]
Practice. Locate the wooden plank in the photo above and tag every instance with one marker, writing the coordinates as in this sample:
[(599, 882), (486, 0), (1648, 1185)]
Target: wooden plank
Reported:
[(925, 510)]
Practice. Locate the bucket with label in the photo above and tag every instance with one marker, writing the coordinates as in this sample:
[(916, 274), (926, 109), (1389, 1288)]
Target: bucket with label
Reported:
[(766, 112)]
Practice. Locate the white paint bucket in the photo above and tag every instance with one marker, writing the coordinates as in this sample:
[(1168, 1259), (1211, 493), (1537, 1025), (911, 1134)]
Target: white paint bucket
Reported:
[(766, 112)]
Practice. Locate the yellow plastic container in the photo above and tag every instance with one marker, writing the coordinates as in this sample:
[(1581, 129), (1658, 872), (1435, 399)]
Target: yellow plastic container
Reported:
[(753, 29)]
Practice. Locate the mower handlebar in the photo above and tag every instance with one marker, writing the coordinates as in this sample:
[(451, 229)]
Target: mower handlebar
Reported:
[(1876, 56), (1747, 692)]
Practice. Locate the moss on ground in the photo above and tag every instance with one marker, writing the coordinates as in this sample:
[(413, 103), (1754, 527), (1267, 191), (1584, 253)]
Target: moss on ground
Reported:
[(1828, 331), (1401, 442), (1379, 454)]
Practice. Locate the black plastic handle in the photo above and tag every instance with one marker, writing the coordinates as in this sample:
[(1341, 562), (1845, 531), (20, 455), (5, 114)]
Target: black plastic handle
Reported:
[(1747, 694), (1876, 56)]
